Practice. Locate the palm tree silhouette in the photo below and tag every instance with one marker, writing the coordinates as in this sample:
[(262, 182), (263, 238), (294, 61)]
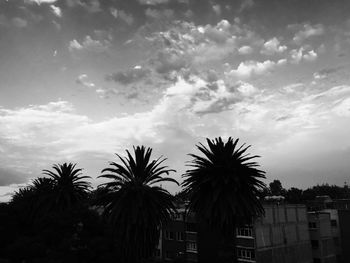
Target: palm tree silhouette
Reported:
[(69, 186), (134, 203), (222, 188)]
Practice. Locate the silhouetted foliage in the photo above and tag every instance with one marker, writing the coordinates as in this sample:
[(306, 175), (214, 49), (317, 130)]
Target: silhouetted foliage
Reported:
[(134, 204), (276, 188), (223, 188), (69, 186)]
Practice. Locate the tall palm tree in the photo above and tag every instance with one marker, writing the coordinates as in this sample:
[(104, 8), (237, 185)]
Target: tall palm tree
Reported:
[(134, 203), (222, 188), (69, 186)]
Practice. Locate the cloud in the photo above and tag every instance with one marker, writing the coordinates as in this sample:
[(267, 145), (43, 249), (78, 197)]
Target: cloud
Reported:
[(297, 55), (9, 176), (83, 80), (129, 76), (122, 15), (248, 68), (245, 50), (188, 111), (273, 46), (56, 10), (186, 46), (217, 9), (89, 44), (91, 6), (41, 1), (153, 2), (159, 14), (246, 4), (19, 22), (308, 31), (15, 21)]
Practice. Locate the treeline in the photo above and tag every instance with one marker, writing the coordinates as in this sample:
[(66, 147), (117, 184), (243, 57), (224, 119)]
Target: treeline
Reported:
[(299, 196)]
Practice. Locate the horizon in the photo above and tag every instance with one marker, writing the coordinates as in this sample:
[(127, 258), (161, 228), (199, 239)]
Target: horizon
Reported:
[(82, 80)]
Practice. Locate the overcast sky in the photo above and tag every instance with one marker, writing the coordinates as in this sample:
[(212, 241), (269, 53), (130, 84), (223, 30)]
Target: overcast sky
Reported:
[(81, 80)]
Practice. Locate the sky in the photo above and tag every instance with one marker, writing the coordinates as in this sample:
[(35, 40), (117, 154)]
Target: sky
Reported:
[(81, 80)]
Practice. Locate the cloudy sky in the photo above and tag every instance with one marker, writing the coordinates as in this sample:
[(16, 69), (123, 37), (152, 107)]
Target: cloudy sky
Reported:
[(81, 80)]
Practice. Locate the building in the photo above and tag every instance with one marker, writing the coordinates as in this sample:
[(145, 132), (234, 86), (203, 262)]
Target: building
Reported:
[(280, 236), (321, 235), (339, 211)]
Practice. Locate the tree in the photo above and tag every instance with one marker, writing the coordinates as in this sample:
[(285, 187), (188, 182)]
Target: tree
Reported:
[(276, 188), (69, 186), (222, 187), (294, 196), (134, 203)]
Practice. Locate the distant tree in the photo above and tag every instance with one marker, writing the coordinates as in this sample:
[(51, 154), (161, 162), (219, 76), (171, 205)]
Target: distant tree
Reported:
[(222, 187), (134, 203), (276, 188), (294, 196)]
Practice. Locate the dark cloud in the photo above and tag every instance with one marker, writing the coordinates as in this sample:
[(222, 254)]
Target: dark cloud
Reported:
[(331, 70), (8, 176), (129, 76)]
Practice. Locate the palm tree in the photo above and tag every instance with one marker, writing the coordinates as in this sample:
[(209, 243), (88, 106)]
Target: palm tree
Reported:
[(222, 188), (134, 203), (69, 186)]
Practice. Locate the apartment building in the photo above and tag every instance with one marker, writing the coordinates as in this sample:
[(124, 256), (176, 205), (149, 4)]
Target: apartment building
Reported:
[(280, 236), (321, 236)]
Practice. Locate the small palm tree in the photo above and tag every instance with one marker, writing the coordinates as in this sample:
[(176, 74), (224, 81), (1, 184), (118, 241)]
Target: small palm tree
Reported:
[(134, 204), (222, 188), (69, 186)]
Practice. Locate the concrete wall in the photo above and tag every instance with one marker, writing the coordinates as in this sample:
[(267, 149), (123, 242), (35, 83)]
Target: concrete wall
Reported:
[(282, 235)]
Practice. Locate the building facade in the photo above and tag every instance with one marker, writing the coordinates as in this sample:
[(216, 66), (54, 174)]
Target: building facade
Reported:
[(280, 236), (321, 236)]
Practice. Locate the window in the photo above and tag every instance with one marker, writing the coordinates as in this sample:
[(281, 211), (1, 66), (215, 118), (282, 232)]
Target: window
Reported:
[(169, 235), (180, 236), (334, 223), (191, 227), (244, 231), (191, 246), (314, 244), (244, 253), (312, 225)]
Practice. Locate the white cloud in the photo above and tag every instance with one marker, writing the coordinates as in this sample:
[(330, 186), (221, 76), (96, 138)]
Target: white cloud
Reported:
[(308, 31), (153, 2), (56, 10), (89, 44), (247, 68), (245, 50), (273, 46), (41, 1), (188, 112), (83, 80), (74, 45), (310, 56), (297, 55)]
